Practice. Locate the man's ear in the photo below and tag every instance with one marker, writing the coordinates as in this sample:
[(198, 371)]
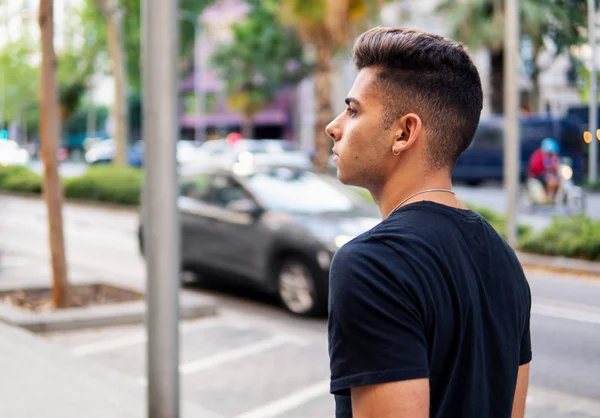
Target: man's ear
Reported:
[(407, 130)]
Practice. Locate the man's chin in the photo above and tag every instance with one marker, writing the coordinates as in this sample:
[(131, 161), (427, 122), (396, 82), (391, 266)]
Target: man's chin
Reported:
[(344, 178)]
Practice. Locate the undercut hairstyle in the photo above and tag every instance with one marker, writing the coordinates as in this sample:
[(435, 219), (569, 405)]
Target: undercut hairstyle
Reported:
[(431, 76)]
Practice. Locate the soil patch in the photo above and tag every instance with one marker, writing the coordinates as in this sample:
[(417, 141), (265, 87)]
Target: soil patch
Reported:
[(40, 299)]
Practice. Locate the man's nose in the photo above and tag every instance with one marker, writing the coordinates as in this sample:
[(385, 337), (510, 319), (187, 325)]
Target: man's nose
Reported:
[(333, 131)]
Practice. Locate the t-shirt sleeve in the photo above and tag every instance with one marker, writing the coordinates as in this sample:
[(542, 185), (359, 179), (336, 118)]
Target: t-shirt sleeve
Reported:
[(377, 318), (525, 354)]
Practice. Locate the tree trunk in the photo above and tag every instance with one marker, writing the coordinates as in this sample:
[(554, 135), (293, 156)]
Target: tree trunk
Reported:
[(248, 127), (49, 137), (114, 31), (323, 143), (497, 80)]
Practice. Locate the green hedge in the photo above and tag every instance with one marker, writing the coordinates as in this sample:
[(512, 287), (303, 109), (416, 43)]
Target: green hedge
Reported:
[(577, 237), (594, 186), (498, 221), (19, 179), (121, 185)]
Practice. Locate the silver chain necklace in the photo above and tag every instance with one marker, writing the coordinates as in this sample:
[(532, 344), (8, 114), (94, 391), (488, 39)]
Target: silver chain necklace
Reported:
[(421, 192)]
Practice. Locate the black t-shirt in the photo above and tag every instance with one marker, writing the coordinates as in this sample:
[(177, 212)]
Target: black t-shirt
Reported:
[(431, 292)]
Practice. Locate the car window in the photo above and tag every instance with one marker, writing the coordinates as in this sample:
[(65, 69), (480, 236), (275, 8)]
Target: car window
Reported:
[(225, 190), (214, 147), (196, 187), (300, 192), (488, 137)]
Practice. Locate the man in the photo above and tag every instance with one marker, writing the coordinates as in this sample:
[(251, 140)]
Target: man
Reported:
[(543, 166), (429, 311)]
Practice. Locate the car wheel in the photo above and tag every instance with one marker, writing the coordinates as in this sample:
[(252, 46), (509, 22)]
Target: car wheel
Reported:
[(474, 183), (298, 288)]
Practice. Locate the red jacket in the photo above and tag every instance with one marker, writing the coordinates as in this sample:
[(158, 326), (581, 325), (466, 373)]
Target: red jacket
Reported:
[(536, 163)]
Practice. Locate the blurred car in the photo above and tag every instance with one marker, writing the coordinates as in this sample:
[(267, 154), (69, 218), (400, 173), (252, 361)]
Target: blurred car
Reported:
[(263, 152), (103, 151), (273, 227), (12, 154)]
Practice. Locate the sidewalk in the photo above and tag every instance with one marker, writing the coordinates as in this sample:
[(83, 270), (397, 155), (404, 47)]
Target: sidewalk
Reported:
[(40, 379)]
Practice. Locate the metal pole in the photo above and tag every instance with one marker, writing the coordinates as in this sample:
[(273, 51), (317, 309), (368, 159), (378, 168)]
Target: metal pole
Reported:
[(593, 154), (161, 222), (511, 113)]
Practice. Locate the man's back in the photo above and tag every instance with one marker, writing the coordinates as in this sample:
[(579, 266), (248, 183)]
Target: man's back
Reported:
[(432, 292)]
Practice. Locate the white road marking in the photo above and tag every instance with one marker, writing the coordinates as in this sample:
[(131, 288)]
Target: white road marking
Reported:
[(139, 338), (228, 356), (289, 402), (232, 355), (109, 345), (566, 313)]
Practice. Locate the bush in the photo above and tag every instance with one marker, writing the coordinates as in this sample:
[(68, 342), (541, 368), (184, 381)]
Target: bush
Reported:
[(577, 237), (120, 185), (19, 179), (498, 221)]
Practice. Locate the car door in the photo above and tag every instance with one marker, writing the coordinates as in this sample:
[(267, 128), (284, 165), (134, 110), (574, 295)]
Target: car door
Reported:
[(241, 236), (197, 228)]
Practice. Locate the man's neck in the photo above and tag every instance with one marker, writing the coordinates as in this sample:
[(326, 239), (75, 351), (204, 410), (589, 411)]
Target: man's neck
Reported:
[(401, 186)]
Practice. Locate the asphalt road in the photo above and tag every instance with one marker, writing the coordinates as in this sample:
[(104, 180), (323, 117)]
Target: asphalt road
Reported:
[(256, 361)]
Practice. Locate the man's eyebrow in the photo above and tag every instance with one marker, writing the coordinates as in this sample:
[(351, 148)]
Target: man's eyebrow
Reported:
[(352, 100)]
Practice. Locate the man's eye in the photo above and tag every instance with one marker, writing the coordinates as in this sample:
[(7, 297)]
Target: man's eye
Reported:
[(351, 111)]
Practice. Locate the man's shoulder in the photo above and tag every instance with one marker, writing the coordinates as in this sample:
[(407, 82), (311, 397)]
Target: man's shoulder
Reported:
[(369, 244)]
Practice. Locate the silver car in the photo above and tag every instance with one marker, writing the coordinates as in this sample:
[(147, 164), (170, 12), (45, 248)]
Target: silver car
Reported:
[(274, 227)]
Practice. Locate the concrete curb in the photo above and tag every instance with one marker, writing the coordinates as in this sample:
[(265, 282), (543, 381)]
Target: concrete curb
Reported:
[(191, 306), (559, 264)]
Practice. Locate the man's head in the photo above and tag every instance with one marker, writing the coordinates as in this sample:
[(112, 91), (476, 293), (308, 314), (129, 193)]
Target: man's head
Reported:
[(416, 102)]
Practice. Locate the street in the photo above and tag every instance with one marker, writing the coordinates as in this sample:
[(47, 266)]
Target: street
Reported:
[(254, 360)]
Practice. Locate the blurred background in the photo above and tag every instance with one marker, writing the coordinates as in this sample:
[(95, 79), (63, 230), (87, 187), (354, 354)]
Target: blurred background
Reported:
[(261, 212)]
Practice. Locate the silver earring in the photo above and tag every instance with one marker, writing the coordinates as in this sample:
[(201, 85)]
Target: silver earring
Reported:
[(394, 151)]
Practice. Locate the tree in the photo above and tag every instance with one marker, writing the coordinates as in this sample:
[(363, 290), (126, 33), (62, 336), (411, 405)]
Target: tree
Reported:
[(18, 79), (77, 62), (327, 26), (95, 26), (546, 24), (560, 27), (117, 29), (50, 130), (113, 14), (261, 58)]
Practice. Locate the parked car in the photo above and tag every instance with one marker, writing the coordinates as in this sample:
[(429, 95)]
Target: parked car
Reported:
[(484, 159), (274, 227), (222, 153), (12, 154), (103, 151)]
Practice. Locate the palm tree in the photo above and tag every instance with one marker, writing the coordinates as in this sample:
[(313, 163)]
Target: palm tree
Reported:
[(49, 135), (327, 26), (480, 24)]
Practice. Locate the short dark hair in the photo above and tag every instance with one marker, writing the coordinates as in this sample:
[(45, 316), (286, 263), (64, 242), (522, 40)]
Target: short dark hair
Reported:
[(431, 76)]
